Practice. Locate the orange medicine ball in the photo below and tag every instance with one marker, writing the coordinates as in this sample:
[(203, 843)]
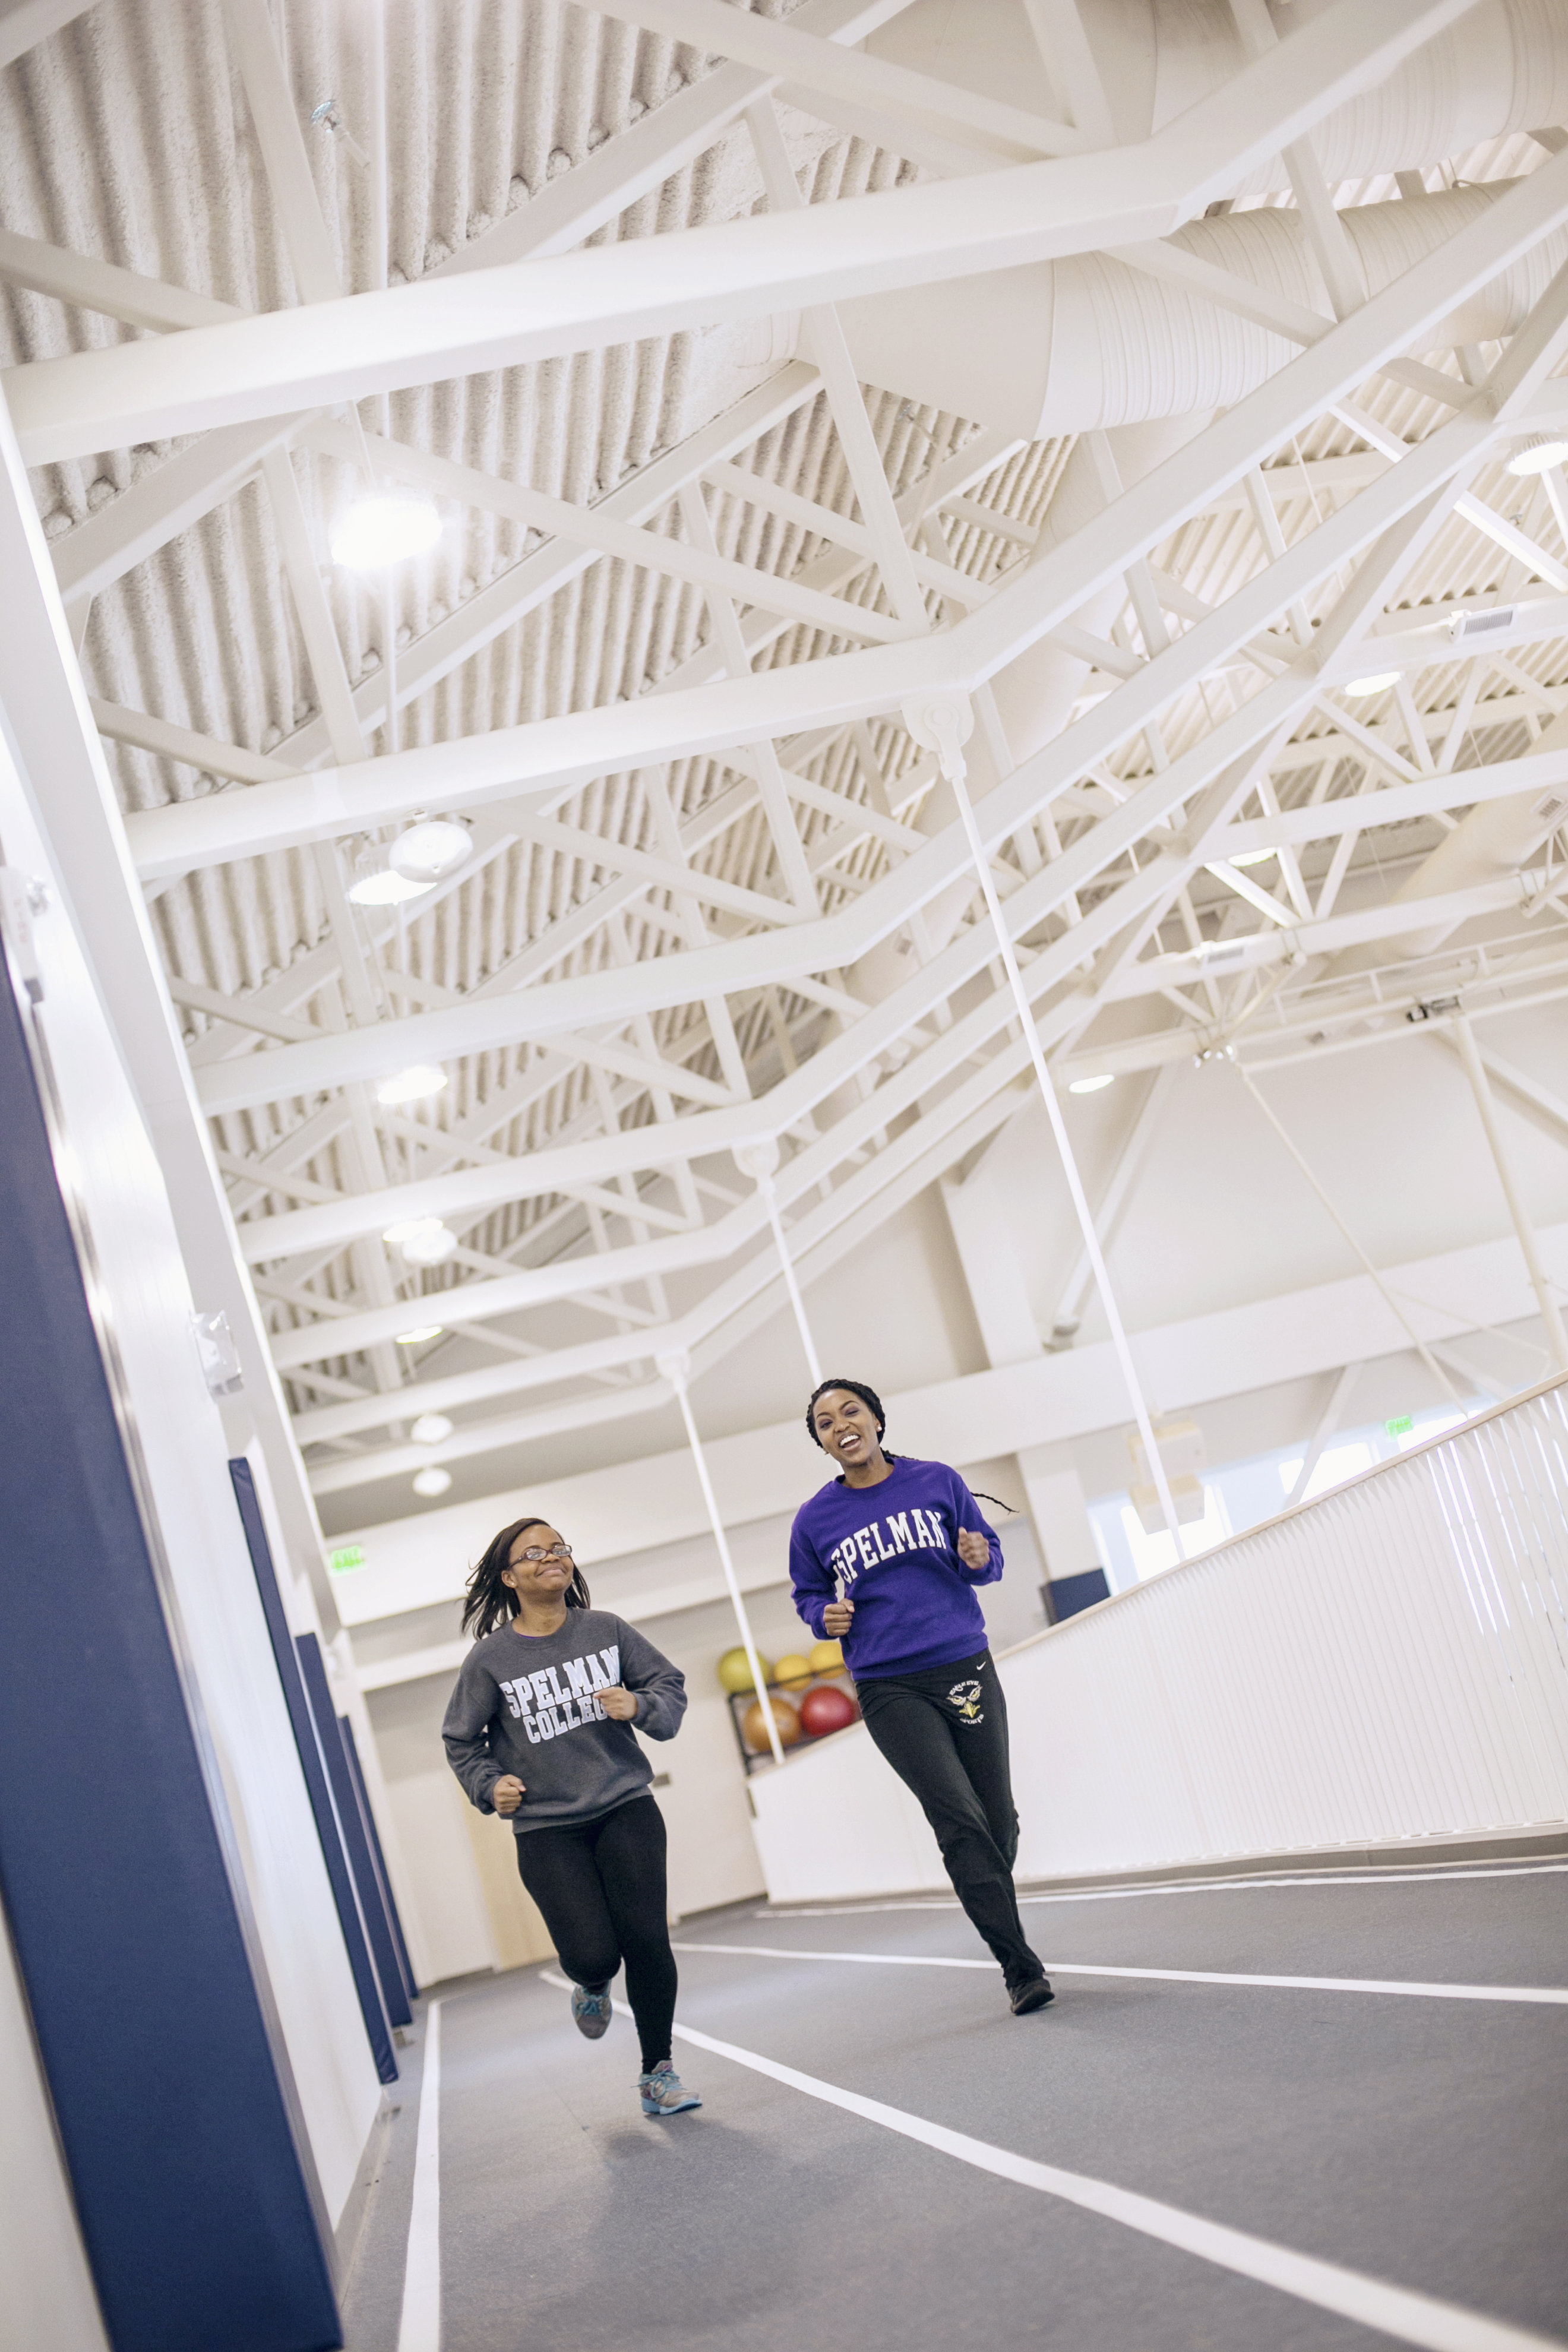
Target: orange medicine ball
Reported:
[(754, 1729)]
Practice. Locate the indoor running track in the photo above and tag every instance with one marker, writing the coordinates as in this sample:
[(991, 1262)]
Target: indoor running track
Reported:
[(1313, 2114)]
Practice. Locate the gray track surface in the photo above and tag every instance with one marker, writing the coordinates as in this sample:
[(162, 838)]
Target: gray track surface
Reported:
[(1420, 2141)]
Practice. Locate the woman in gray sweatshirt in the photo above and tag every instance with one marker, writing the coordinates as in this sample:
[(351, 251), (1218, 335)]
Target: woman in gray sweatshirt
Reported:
[(539, 1730)]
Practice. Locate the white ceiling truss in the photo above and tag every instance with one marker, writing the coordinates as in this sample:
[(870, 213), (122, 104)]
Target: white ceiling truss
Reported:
[(696, 556)]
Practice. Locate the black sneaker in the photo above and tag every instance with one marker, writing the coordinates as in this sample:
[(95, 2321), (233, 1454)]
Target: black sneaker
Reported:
[(1035, 1992)]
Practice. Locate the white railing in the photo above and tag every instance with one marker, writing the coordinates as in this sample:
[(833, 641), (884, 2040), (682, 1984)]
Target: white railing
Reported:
[(1387, 1662)]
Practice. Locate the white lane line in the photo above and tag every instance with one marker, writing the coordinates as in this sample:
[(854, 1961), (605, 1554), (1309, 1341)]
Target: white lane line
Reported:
[(1550, 1993), (1295, 1878), (419, 2329), (1398, 2311)]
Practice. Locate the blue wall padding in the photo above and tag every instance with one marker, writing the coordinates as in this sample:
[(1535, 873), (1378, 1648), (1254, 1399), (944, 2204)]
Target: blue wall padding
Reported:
[(315, 1771), (356, 1844), (194, 2208), (383, 1876), (1069, 1594)]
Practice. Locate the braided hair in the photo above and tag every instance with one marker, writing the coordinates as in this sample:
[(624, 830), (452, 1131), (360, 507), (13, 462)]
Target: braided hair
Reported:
[(873, 1404), (489, 1602)]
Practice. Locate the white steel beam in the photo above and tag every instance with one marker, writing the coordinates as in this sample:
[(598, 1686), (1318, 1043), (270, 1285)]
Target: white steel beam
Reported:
[(592, 527), (25, 23), (776, 48), (524, 312), (841, 939), (569, 750)]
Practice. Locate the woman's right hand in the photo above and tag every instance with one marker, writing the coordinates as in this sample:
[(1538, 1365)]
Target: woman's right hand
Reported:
[(835, 1619), (506, 1794)]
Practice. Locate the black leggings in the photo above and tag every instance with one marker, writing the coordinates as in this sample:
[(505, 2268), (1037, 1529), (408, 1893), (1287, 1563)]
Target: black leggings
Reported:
[(599, 1885), (945, 1731)]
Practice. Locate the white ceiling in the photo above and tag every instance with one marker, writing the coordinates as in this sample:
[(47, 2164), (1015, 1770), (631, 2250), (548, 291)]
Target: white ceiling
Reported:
[(607, 1034)]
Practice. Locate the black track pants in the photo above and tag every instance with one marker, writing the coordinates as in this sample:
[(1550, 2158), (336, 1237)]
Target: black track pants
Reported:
[(944, 1732), (601, 1887)]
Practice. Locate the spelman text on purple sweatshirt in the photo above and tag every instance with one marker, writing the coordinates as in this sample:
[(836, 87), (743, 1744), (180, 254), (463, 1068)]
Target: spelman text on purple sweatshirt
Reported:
[(892, 1549)]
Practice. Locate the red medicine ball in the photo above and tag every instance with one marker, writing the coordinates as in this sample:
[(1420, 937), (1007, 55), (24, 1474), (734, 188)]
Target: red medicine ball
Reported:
[(827, 1709)]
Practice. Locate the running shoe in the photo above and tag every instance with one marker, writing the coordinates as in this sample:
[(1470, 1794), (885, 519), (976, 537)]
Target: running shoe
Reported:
[(1035, 1992), (591, 2010), (663, 2092)]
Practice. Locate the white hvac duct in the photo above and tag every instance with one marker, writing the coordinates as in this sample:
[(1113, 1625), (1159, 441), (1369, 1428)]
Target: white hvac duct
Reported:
[(1503, 68), (1068, 346)]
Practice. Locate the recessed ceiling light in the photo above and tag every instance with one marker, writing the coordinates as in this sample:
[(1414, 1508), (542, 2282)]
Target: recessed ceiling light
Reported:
[(385, 528), (1254, 856), (432, 847), (1377, 681), (1539, 453), (423, 1241), (430, 1429), (1092, 1086), (416, 1084), (417, 1336), (432, 1482)]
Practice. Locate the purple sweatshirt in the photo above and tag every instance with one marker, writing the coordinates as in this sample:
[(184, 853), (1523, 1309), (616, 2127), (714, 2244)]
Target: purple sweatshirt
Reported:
[(892, 1551)]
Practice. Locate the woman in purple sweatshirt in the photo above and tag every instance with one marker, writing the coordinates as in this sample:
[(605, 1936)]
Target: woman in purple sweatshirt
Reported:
[(885, 1559)]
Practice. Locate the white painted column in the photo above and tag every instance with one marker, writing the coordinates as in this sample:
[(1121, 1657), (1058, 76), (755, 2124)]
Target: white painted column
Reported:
[(1059, 1510)]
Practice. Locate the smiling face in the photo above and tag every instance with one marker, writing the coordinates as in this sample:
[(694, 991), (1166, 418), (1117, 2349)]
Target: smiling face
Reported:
[(539, 1566), (847, 1429)]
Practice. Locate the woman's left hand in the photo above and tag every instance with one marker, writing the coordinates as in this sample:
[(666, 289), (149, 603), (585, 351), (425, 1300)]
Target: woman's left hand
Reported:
[(620, 1704), (973, 1550)]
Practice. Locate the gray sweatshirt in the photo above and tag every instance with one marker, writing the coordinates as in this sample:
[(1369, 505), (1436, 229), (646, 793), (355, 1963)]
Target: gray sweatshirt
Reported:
[(525, 1703)]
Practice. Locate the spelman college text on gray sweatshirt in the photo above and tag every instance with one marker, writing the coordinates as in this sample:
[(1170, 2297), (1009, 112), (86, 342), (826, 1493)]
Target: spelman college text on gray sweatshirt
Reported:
[(526, 1703)]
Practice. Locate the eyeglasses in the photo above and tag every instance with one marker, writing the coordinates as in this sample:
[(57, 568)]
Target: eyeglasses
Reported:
[(549, 1551)]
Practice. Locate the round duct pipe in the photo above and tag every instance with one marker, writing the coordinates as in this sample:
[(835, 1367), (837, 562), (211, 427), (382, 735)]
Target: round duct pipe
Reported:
[(1060, 347), (1503, 68)]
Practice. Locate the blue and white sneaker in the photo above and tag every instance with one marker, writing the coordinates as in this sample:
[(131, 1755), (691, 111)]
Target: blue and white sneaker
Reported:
[(663, 2092), (590, 2012)]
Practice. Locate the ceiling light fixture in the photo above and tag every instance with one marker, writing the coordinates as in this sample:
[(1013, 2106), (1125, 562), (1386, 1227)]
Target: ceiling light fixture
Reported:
[(423, 1241), (430, 1429), (375, 883), (416, 1084), (1538, 453), (417, 1336), (385, 528), (1377, 681), (1254, 856), (433, 847), (1092, 1086), (432, 1482)]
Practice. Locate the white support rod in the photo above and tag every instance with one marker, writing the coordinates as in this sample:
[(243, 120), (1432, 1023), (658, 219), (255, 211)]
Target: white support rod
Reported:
[(674, 1370), (770, 1201), (1539, 1281), (955, 769), (1327, 1423), (1389, 1300)]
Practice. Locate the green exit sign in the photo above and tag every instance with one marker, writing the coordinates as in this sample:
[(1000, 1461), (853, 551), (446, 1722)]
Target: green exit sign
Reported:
[(350, 1556), (1398, 1428)]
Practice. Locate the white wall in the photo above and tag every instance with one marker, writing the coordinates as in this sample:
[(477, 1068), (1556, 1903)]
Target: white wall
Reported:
[(144, 1299)]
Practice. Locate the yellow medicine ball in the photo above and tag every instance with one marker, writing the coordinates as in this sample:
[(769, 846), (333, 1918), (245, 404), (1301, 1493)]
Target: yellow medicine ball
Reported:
[(735, 1671), (827, 1658), (793, 1673)]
